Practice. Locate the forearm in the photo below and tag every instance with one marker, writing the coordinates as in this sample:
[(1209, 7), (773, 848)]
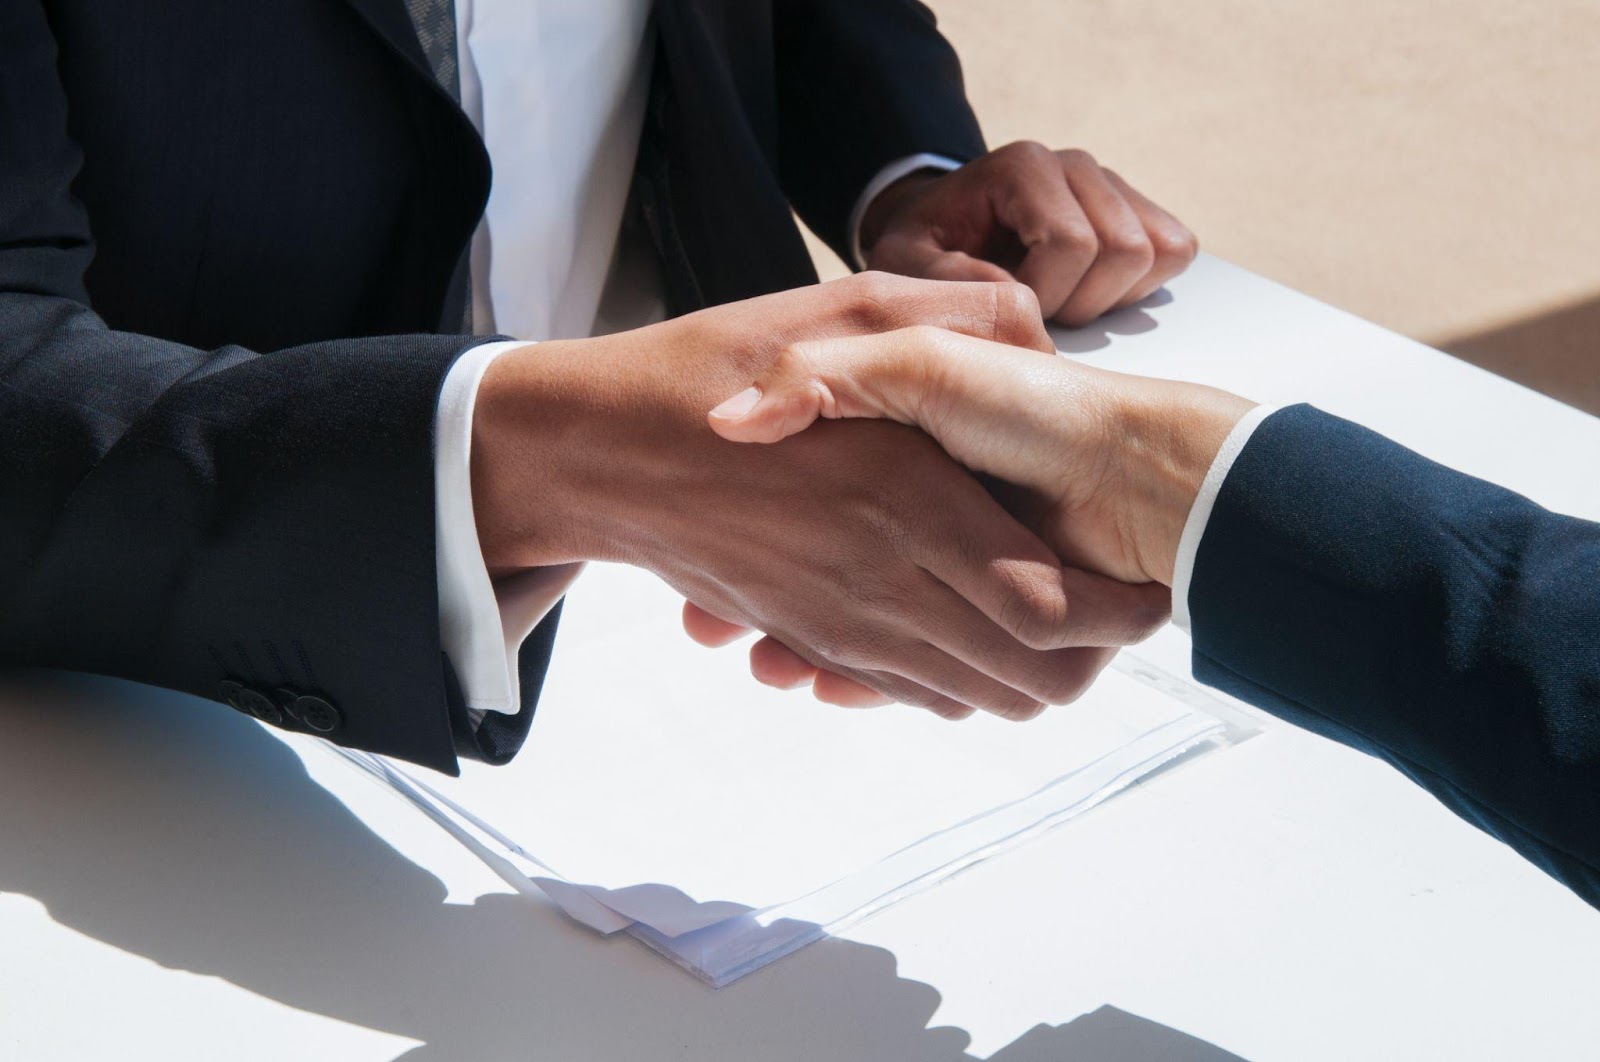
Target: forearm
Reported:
[(1437, 621), (1164, 441), (190, 518), (1356, 589)]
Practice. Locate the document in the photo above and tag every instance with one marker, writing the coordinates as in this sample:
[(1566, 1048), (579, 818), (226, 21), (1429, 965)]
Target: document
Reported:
[(664, 792)]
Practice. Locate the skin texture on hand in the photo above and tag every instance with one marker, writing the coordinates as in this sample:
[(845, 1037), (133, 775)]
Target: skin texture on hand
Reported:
[(1075, 232), (860, 546), (1105, 466), (1113, 461)]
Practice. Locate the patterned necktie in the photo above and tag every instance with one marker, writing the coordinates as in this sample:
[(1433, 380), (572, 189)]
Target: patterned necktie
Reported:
[(435, 23)]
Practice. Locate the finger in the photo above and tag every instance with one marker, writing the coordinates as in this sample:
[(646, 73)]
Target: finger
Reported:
[(1052, 676), (884, 376), (977, 299), (908, 376), (1125, 253), (843, 685), (956, 688), (982, 553), (922, 255), (775, 664), (1175, 246), (1102, 611), (709, 630), (1081, 668), (1034, 200), (829, 687)]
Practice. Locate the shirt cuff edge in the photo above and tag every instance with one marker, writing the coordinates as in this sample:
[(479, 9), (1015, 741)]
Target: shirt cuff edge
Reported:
[(1194, 526), (925, 160)]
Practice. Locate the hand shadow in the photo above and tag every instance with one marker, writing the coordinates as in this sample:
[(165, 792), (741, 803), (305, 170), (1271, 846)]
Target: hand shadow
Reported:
[(176, 830), (1131, 321)]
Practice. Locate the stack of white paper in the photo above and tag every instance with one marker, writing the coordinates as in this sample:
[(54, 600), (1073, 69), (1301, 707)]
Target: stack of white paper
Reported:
[(663, 791)]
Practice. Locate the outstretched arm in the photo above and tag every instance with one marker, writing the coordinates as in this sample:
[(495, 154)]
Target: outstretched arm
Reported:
[(1339, 580)]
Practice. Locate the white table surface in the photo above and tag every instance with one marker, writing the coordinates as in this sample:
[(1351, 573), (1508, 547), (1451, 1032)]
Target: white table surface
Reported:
[(177, 883)]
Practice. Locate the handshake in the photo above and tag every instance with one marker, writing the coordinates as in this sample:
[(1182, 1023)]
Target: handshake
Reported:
[(895, 480)]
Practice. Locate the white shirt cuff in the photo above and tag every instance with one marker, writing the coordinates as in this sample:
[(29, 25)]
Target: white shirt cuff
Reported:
[(1194, 528), (482, 624), (885, 177)]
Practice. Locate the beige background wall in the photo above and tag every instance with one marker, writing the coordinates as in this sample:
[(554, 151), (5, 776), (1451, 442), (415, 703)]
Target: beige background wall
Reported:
[(1433, 166)]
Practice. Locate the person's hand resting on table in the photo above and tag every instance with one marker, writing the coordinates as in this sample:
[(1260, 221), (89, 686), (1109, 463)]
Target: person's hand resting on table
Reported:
[(1079, 235), (1106, 466)]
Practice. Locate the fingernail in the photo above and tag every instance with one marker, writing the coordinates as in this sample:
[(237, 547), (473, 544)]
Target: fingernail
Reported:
[(738, 405)]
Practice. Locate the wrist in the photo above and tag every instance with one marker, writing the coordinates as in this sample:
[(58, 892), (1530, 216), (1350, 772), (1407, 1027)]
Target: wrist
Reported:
[(888, 202), (529, 406), (592, 449), (1163, 438)]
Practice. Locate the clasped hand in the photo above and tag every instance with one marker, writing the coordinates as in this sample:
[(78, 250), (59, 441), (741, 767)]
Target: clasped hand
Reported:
[(861, 547), (1104, 467), (875, 562)]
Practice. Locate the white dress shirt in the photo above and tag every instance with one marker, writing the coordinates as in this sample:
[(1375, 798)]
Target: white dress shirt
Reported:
[(557, 89)]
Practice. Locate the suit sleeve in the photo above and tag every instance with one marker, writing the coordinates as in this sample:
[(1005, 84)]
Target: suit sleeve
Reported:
[(861, 84), (1431, 619), (244, 526)]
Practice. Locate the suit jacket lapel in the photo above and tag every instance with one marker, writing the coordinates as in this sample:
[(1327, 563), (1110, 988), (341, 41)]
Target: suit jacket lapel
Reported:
[(390, 20)]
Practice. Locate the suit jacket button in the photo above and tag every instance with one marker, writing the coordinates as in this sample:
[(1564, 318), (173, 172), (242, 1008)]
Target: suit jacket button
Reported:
[(317, 714), (228, 693), (258, 704)]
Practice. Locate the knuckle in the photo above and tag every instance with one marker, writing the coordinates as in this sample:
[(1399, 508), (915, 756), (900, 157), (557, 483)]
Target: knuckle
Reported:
[(873, 295), (1074, 692), (1015, 147), (1176, 245), (789, 359), (839, 644), (795, 366), (908, 692), (1034, 612), (1024, 153), (1151, 618), (1078, 235), (1016, 306), (871, 282), (887, 597), (926, 337), (1128, 246), (948, 708), (1076, 158), (1065, 686), (1025, 710)]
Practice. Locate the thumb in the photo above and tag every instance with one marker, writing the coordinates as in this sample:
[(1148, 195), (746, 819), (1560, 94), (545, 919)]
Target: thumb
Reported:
[(996, 409), (883, 376), (922, 255)]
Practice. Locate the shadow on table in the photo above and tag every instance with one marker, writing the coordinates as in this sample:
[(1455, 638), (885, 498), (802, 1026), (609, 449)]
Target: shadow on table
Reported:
[(1097, 335), (1556, 351), (176, 830)]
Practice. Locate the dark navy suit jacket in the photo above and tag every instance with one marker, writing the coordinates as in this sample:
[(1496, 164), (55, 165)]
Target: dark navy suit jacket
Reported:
[(1431, 619), (232, 257)]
